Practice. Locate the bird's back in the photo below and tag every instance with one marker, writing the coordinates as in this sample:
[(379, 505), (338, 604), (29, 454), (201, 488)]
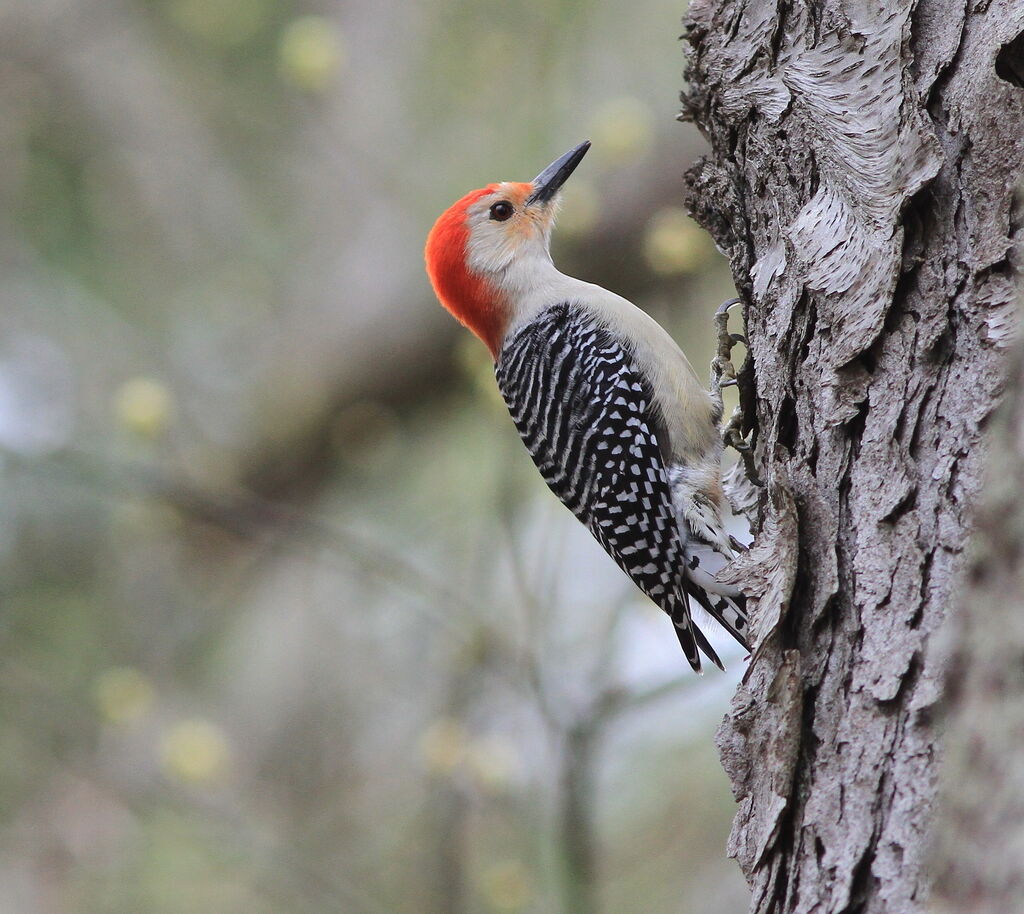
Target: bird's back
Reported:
[(586, 413)]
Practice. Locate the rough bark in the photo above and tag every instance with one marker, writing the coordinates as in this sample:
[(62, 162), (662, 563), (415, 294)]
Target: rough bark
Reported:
[(860, 181), (979, 834)]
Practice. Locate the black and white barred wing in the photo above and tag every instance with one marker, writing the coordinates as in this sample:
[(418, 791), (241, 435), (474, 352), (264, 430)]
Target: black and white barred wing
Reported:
[(584, 413)]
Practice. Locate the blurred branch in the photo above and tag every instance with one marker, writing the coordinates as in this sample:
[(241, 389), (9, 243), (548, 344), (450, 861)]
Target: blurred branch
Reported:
[(617, 701), (451, 804), (576, 814), (581, 744), (251, 517)]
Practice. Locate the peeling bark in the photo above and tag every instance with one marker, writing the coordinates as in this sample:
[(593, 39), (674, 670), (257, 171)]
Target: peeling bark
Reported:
[(860, 181)]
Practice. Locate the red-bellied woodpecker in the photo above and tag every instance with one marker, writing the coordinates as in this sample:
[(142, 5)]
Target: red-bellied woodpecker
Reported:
[(609, 408)]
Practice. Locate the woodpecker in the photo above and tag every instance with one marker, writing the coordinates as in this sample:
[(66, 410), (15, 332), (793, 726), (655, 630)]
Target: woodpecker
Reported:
[(611, 411)]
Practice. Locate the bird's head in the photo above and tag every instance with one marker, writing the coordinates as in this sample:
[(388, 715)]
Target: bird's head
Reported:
[(491, 247)]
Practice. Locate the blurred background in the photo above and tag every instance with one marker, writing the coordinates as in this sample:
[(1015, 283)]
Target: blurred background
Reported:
[(288, 621)]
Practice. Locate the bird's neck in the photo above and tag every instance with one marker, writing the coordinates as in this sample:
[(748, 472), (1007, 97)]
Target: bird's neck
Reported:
[(485, 311), (495, 305), (475, 302), (534, 286)]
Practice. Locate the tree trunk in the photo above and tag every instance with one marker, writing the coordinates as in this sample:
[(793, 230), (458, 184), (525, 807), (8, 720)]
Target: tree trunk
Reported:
[(979, 835), (860, 181)]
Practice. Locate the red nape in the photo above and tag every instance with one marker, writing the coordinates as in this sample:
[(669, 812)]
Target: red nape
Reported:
[(472, 300)]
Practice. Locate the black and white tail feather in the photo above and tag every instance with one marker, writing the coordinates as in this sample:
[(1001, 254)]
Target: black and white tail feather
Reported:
[(586, 416)]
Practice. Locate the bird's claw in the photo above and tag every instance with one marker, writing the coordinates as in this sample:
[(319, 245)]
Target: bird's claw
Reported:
[(733, 437), (723, 374)]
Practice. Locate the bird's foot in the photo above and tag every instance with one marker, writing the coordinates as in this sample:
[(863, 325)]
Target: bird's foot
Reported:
[(727, 305), (732, 436), (723, 374)]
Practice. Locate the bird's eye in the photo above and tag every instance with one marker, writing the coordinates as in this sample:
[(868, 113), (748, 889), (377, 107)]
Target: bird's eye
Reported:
[(502, 210)]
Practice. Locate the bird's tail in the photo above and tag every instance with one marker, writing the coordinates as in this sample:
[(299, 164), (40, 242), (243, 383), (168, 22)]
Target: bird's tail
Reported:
[(690, 637), (724, 602), (729, 612)]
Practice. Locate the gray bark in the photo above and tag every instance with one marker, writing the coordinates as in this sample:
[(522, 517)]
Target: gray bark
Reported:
[(979, 834), (860, 181)]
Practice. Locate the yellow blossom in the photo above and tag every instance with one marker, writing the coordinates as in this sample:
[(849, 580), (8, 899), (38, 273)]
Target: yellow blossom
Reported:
[(622, 129), (581, 207), (674, 243), (143, 406), (195, 751), (492, 762), (310, 53)]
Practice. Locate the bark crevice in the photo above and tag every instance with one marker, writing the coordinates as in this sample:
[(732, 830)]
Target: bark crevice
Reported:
[(863, 159)]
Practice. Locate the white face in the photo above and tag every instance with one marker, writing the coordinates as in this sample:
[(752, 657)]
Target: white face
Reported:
[(508, 239)]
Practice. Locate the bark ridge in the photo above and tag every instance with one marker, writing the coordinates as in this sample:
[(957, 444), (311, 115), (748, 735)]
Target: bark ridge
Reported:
[(863, 160)]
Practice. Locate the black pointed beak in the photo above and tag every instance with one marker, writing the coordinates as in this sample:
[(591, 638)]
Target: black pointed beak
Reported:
[(550, 180)]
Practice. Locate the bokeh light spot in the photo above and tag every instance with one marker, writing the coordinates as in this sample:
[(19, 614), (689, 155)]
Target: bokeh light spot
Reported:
[(674, 243), (195, 751), (622, 129), (492, 762), (143, 406), (581, 206), (122, 694), (310, 53)]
